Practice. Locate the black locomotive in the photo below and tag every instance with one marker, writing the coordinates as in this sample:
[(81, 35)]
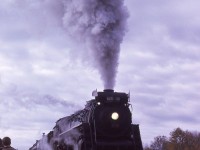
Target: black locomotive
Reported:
[(104, 124)]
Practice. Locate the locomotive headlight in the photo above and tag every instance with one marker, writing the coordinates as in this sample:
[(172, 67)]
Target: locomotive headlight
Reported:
[(115, 116)]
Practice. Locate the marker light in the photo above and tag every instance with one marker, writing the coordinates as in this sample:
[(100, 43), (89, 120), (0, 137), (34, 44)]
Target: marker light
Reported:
[(115, 116), (98, 103)]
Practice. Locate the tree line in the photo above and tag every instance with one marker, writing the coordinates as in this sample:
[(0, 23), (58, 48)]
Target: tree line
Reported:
[(178, 140)]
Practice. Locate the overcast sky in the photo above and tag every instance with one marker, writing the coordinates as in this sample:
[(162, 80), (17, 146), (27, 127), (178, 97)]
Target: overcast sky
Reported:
[(43, 77)]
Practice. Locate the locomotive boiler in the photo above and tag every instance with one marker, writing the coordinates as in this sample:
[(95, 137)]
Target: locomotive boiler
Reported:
[(104, 124)]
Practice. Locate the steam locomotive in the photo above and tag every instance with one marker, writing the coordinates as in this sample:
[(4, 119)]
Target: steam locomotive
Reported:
[(104, 124)]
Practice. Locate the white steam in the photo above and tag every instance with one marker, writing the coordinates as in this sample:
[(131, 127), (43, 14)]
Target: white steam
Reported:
[(100, 24)]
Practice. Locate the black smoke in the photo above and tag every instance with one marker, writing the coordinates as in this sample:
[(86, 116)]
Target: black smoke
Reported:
[(100, 24)]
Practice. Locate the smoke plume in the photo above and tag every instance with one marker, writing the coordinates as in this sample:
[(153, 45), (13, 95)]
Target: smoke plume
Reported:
[(100, 24)]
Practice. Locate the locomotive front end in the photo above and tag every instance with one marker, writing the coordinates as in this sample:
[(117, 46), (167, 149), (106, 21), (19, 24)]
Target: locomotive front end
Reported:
[(111, 123), (112, 117)]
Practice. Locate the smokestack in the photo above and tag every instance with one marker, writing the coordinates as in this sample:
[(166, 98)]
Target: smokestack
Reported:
[(100, 24), (108, 90)]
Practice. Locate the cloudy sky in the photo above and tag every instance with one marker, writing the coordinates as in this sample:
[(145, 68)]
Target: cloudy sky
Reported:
[(43, 76)]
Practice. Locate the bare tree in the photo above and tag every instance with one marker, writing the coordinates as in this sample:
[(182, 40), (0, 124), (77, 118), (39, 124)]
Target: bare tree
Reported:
[(160, 143), (178, 140)]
